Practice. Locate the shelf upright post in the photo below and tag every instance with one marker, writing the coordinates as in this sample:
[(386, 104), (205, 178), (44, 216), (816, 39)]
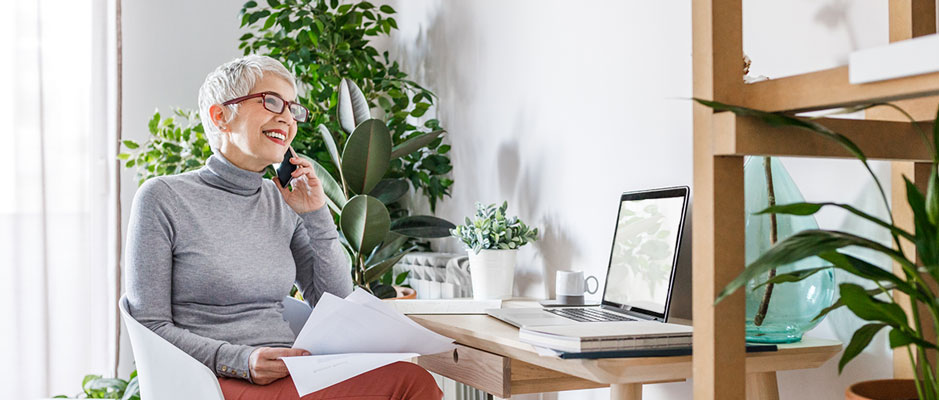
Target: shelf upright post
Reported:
[(719, 365)]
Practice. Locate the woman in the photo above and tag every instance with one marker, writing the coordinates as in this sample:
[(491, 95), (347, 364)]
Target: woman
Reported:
[(211, 253)]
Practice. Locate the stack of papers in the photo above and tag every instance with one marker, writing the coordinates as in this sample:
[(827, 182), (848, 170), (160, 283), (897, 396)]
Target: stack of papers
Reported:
[(351, 336)]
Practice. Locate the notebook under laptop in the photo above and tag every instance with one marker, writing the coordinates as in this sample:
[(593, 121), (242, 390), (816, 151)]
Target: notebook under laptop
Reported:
[(641, 273)]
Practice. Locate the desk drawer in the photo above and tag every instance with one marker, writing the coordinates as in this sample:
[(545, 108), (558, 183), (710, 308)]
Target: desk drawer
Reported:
[(482, 370)]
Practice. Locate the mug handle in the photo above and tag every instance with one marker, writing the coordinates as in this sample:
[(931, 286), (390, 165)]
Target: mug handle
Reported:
[(587, 284)]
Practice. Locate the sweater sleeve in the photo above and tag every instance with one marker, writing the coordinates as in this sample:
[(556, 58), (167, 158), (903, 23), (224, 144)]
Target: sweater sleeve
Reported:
[(322, 265), (149, 265)]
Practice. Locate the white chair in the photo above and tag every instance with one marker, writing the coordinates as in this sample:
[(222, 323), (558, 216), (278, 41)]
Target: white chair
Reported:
[(166, 372)]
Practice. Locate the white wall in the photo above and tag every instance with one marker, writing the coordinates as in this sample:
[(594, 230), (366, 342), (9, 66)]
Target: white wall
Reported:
[(556, 107)]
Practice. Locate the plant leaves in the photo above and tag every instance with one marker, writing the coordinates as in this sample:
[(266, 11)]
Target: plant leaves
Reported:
[(862, 337), (812, 208), (132, 391), (353, 107), (932, 197), (799, 246), (364, 222), (384, 291), (330, 144), (838, 304), (389, 246), (390, 190), (793, 276), (334, 194), (375, 271), (401, 277), (868, 308), (899, 337), (780, 119), (366, 156), (925, 231), (866, 270), (415, 143), (422, 226)]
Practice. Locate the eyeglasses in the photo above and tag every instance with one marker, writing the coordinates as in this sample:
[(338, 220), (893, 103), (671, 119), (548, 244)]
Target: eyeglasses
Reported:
[(275, 104)]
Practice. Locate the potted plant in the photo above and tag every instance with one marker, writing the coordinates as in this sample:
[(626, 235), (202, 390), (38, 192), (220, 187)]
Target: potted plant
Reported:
[(371, 237), (874, 304), (492, 241), (97, 387)]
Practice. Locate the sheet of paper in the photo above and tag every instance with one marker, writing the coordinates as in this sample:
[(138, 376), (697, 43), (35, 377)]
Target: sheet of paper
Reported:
[(312, 373), (351, 336), (338, 326)]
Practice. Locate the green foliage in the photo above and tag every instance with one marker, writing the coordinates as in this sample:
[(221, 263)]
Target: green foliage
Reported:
[(97, 387), (370, 236), (917, 275), (177, 144), (323, 42), (491, 230)]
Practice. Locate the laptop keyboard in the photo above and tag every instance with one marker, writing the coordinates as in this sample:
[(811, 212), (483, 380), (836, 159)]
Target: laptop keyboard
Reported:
[(588, 314)]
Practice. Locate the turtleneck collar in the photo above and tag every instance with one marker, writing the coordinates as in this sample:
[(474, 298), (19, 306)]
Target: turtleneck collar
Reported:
[(221, 173)]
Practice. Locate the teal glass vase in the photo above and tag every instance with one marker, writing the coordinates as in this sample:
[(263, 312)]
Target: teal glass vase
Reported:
[(791, 306)]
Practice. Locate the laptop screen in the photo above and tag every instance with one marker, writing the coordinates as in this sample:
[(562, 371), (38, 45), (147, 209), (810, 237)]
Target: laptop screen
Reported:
[(645, 250)]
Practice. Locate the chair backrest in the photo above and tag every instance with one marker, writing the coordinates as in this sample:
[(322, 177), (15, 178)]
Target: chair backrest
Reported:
[(296, 312), (165, 372)]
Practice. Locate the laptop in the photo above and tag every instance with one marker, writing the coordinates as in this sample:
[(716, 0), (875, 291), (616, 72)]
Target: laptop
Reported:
[(641, 274)]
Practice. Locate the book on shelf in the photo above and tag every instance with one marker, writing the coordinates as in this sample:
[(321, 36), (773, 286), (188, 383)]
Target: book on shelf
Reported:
[(607, 336)]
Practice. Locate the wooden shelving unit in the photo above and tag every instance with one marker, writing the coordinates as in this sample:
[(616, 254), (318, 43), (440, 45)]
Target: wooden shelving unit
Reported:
[(721, 140)]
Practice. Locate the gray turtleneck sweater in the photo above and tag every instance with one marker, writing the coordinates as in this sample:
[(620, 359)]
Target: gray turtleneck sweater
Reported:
[(211, 254)]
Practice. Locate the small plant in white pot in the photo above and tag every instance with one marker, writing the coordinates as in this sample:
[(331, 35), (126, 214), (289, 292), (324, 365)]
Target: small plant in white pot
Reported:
[(492, 242)]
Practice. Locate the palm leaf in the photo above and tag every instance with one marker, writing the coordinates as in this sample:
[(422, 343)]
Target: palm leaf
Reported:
[(803, 209), (862, 337), (803, 245)]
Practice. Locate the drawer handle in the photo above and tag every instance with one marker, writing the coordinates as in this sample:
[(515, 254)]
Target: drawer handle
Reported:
[(456, 356)]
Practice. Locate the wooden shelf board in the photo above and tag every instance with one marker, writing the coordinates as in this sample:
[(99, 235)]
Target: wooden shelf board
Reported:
[(830, 89), (886, 140)]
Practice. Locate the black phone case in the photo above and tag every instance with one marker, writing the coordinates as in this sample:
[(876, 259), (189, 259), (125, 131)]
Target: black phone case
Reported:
[(285, 169)]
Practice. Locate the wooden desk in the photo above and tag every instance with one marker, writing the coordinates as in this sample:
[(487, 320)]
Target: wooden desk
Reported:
[(490, 357)]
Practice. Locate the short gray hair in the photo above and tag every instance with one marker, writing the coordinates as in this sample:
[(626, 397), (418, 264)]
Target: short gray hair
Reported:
[(232, 80)]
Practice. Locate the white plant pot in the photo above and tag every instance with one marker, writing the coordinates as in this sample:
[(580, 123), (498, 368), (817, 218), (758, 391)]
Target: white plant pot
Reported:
[(493, 273)]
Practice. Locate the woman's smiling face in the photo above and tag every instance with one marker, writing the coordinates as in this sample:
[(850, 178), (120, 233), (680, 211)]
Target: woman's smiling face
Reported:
[(252, 140)]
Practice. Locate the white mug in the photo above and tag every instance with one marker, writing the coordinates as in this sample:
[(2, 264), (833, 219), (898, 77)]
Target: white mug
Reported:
[(572, 283)]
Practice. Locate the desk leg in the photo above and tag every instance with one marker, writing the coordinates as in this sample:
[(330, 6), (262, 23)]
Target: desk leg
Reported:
[(762, 386), (626, 391)]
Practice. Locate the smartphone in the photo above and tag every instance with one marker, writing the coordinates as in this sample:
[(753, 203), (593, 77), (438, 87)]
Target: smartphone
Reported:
[(285, 169)]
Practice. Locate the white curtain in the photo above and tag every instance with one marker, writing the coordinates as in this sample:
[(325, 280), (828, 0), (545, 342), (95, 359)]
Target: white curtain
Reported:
[(57, 195)]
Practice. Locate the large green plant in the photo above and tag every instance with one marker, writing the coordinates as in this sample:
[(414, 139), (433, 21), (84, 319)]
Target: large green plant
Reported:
[(372, 239), (919, 274), (323, 42)]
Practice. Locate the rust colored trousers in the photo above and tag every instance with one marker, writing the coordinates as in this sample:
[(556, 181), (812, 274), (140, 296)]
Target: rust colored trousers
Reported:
[(396, 381)]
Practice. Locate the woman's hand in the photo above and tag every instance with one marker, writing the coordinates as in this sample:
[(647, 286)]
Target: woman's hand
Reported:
[(308, 192), (266, 368)]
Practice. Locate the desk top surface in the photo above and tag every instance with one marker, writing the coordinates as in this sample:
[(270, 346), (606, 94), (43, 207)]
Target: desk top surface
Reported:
[(494, 336)]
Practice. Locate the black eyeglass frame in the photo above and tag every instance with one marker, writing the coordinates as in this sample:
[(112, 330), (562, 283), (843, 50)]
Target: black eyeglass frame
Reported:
[(283, 103)]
